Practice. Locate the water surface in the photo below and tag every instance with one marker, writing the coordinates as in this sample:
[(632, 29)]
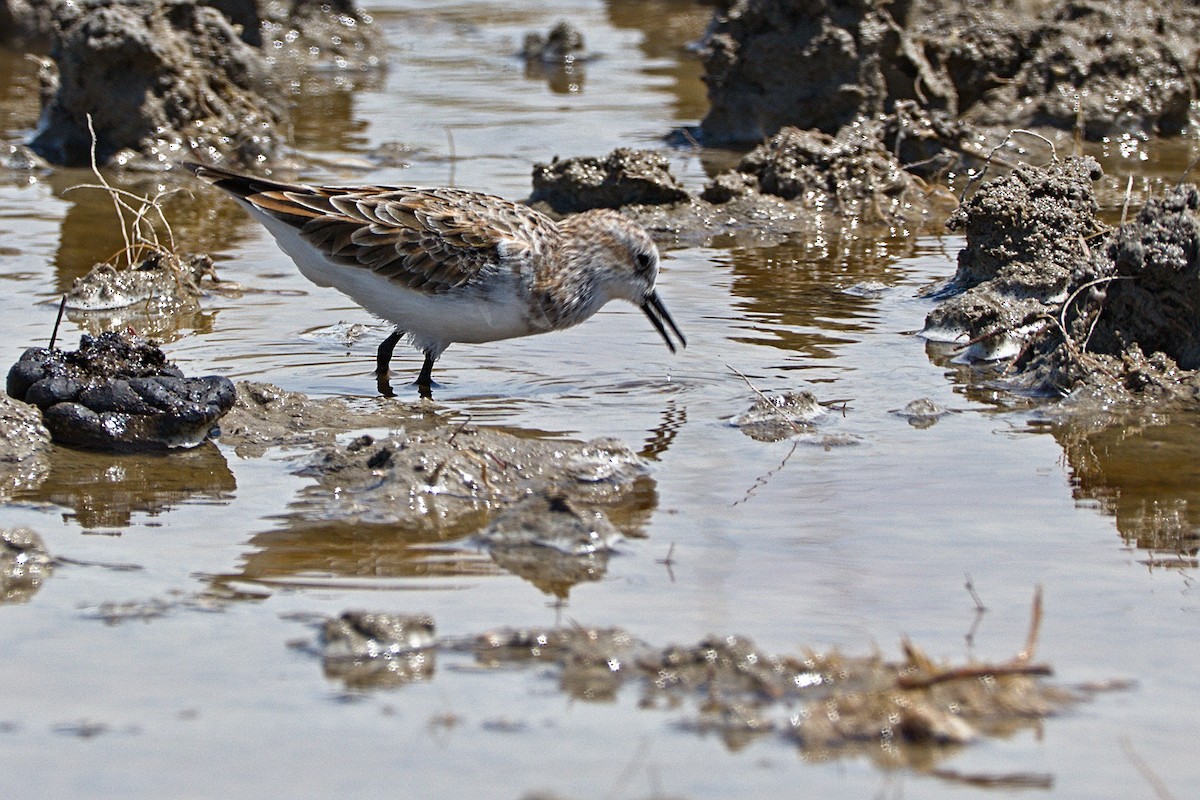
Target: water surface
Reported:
[(853, 545)]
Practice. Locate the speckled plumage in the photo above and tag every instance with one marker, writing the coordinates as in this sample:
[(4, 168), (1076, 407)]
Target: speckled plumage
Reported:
[(448, 265)]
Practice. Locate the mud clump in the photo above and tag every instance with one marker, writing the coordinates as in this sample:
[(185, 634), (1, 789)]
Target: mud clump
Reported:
[(1103, 316), (163, 279), (773, 418), (158, 79), (24, 441), (623, 178), (365, 649), (562, 45), (1027, 236), (852, 177), (909, 712), (119, 393), (24, 564)]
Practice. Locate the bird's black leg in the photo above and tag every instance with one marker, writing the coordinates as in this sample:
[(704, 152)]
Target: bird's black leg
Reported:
[(384, 356), (425, 379), (383, 359)]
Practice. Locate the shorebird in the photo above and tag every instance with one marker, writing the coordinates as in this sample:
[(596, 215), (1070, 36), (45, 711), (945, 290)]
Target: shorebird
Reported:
[(448, 265)]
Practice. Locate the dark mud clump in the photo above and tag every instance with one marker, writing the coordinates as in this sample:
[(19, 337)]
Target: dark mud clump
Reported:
[(625, 177), (1103, 316), (1106, 69), (119, 393), (24, 564), (158, 78)]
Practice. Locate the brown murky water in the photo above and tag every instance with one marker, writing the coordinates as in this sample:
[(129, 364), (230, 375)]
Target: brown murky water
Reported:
[(159, 655)]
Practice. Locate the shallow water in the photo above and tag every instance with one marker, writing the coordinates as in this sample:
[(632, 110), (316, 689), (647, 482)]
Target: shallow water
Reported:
[(853, 544)]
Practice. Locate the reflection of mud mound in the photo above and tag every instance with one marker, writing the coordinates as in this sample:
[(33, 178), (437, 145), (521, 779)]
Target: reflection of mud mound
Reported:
[(1102, 315), (1107, 68), (1147, 476), (104, 491), (158, 78)]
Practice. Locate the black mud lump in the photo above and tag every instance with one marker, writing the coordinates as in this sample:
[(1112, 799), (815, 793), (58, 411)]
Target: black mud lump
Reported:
[(119, 393)]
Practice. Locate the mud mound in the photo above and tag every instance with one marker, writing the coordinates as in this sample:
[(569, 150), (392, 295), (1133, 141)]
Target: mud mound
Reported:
[(301, 37), (37, 25), (1104, 316), (1108, 69), (1026, 237), (624, 177), (159, 78)]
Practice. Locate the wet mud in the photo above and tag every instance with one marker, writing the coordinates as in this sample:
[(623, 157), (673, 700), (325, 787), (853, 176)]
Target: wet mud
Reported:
[(24, 442)]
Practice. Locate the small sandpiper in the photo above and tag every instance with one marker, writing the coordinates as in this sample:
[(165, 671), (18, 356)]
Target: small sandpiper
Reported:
[(447, 265)]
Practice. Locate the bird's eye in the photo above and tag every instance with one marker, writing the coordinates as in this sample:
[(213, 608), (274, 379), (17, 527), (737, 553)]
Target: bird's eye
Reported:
[(644, 261)]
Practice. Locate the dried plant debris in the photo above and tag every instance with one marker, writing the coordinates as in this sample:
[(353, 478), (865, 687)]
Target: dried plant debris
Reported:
[(1079, 310), (119, 393), (910, 713)]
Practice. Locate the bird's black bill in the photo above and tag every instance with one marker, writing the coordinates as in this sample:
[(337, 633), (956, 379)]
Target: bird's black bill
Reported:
[(656, 312)]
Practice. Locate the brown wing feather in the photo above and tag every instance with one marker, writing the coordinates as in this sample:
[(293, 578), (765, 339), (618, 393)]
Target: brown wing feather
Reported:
[(427, 239)]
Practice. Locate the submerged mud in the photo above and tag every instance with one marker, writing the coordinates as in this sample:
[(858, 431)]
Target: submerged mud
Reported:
[(913, 712)]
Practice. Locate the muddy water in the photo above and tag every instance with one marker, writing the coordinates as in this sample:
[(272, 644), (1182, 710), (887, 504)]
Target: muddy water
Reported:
[(159, 654)]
